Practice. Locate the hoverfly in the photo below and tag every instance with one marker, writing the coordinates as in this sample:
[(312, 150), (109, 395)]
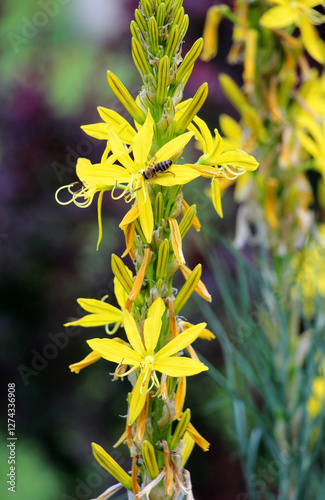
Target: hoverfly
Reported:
[(157, 168)]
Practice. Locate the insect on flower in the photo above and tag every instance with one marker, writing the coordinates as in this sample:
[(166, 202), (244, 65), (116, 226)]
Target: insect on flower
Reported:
[(157, 168)]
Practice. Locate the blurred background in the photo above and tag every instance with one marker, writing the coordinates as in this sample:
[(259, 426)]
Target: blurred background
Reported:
[(54, 55)]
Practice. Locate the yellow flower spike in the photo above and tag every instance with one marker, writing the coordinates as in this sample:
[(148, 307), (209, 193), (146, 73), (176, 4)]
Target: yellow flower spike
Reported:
[(135, 472), (139, 58), (200, 288), (205, 334), (187, 221), (250, 59), (196, 223), (188, 448), (210, 32), (189, 60), (216, 196), (187, 290), (200, 441), (91, 358), (129, 217), (141, 274), (176, 240), (180, 428), (163, 79), (270, 210), (149, 458), (106, 461), (180, 396), (122, 273), (130, 235), (162, 260), (153, 34), (192, 109), (123, 95), (169, 485), (101, 314)]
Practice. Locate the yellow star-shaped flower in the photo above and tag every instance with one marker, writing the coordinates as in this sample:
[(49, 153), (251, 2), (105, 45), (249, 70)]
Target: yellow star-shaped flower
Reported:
[(129, 177), (141, 355)]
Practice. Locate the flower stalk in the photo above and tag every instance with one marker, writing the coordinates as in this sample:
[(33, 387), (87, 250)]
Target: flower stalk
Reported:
[(142, 165)]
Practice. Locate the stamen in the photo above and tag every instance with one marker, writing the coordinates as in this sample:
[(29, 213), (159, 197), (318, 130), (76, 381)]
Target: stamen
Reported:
[(60, 189), (121, 195)]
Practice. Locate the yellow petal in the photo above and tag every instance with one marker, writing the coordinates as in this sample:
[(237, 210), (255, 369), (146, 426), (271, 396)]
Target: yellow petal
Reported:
[(176, 240), (118, 147), (101, 175), (279, 17), (93, 357), (145, 209), (139, 396), (205, 334), (179, 366), (313, 44), (133, 334), (114, 351), (180, 396), (180, 342), (130, 236), (118, 124), (120, 293), (97, 130), (129, 217), (142, 143), (173, 147), (216, 196), (152, 324), (238, 159), (200, 441), (176, 175), (205, 132), (141, 274), (189, 445)]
